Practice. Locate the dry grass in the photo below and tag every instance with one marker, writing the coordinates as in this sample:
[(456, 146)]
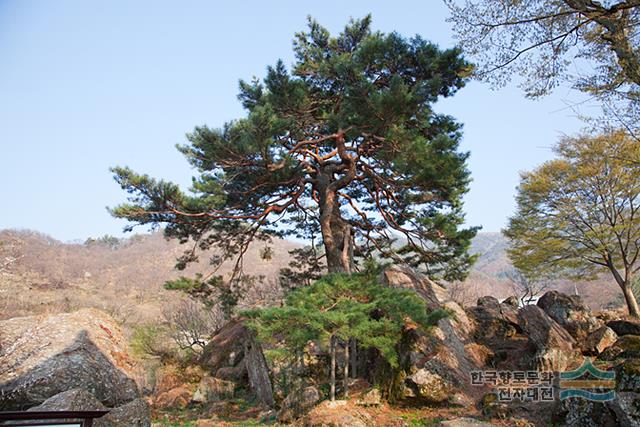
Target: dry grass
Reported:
[(39, 274), (126, 280)]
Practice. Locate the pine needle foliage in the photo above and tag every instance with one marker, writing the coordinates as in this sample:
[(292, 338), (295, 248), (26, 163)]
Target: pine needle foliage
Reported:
[(344, 307)]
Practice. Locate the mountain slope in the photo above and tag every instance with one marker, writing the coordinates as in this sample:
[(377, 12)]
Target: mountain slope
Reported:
[(39, 274)]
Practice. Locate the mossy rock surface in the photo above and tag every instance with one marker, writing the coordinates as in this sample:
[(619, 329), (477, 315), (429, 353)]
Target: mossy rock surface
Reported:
[(628, 375), (493, 408), (488, 399), (631, 366), (630, 343)]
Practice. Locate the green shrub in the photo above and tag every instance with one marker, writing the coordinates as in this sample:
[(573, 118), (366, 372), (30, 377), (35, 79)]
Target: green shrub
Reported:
[(342, 307)]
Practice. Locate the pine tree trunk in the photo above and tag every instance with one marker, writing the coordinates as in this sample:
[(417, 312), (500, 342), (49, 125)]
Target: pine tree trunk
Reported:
[(332, 345), (354, 357), (346, 369), (337, 234), (338, 244), (630, 298)]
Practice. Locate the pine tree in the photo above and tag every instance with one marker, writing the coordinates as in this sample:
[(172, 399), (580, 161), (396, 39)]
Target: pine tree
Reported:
[(345, 148), (339, 308)]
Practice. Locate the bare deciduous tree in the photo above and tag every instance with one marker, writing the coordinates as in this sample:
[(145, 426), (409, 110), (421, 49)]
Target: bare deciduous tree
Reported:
[(191, 324), (526, 288)]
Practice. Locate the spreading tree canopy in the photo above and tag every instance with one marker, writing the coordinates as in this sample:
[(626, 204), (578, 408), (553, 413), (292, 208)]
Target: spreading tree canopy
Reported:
[(579, 214), (345, 148)]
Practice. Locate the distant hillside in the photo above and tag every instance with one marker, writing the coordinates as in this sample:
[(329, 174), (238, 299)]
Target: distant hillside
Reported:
[(124, 277), (39, 274), (493, 259), (489, 276)]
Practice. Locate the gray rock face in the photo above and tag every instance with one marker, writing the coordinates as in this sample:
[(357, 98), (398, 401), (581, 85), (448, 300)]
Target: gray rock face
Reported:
[(599, 340), (211, 389), (258, 372), (133, 414), (489, 302), (495, 321), (512, 302), (405, 278), (226, 348), (298, 403), (569, 312), (76, 399), (555, 349), (430, 386), (234, 354), (621, 411), (45, 356), (441, 352)]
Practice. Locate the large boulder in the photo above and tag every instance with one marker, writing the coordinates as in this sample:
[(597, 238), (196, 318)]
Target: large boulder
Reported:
[(133, 414), (236, 373), (76, 399), (403, 277), (298, 403), (233, 353), (498, 331), (211, 389), (176, 398), (168, 377), (43, 356), (512, 302), (442, 352), (624, 327), (258, 372), (430, 386), (489, 302), (626, 347), (555, 347), (226, 348), (337, 414), (495, 322), (569, 312), (599, 340)]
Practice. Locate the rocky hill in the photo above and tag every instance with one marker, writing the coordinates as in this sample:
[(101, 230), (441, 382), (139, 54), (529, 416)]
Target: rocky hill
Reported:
[(231, 381), (39, 274)]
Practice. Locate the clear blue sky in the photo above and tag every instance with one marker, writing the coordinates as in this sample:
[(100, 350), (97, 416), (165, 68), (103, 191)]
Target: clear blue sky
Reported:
[(88, 85)]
